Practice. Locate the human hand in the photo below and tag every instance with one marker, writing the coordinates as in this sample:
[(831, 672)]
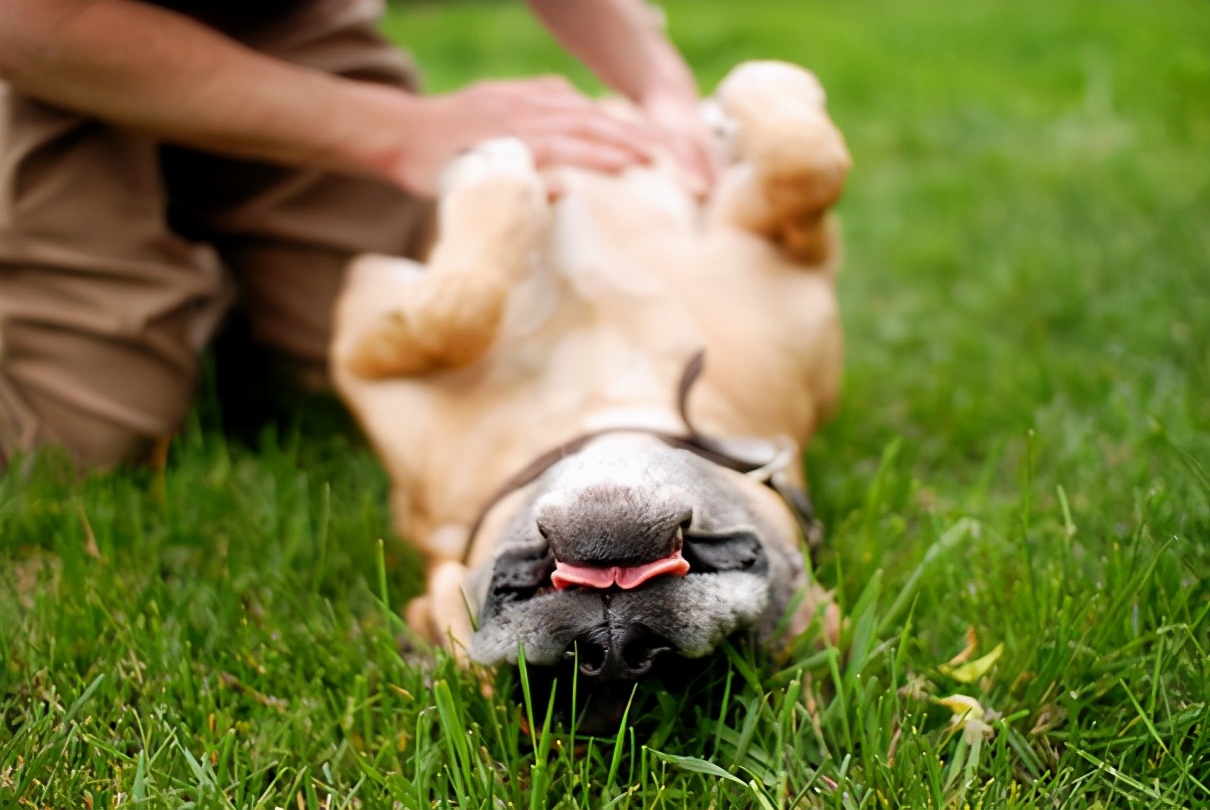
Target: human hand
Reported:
[(684, 132), (556, 122)]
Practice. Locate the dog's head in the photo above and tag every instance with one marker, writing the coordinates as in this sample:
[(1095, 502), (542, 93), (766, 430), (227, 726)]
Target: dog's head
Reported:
[(631, 552)]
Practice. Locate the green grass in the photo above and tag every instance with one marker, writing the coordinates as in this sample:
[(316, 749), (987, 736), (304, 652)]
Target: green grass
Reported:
[(1022, 449)]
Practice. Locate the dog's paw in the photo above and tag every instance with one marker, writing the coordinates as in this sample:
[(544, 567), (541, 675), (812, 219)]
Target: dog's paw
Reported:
[(783, 131), (496, 159), (789, 161), (492, 218), (370, 328), (781, 84)]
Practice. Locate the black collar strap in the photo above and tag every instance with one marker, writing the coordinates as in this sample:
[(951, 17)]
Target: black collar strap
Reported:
[(762, 459)]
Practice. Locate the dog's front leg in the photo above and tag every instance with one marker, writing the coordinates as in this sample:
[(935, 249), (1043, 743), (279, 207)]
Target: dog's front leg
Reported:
[(441, 615), (492, 219)]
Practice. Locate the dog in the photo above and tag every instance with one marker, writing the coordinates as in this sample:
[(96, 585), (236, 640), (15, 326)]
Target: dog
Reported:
[(592, 411)]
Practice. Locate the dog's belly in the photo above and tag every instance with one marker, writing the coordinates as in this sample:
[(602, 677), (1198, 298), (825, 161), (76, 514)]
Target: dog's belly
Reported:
[(598, 336)]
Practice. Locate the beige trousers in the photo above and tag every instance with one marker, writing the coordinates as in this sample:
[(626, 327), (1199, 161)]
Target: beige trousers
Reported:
[(119, 255)]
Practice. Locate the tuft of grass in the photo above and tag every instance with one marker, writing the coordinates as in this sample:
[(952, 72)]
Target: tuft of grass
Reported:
[(1020, 462)]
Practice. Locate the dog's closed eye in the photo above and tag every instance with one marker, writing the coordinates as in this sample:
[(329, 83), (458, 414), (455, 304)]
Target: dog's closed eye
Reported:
[(738, 550), (518, 575)]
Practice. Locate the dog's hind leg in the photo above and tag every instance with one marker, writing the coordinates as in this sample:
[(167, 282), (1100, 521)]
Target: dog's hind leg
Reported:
[(492, 217), (789, 160)]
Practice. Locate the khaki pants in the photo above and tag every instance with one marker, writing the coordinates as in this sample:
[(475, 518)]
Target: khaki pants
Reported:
[(119, 255)]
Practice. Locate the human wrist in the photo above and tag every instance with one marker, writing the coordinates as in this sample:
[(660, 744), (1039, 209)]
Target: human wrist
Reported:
[(669, 82), (371, 126), (668, 100)]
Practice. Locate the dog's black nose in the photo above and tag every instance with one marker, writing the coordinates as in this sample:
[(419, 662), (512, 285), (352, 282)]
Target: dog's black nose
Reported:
[(613, 525), (625, 653)]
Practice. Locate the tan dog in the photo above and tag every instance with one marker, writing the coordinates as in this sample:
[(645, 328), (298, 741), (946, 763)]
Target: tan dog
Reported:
[(524, 391)]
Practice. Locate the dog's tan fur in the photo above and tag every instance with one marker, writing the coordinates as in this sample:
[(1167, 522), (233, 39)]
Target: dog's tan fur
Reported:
[(533, 324)]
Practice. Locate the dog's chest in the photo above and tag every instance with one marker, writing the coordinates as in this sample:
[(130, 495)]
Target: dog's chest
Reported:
[(629, 289)]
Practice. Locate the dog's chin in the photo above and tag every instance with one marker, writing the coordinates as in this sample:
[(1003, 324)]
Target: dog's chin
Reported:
[(597, 708)]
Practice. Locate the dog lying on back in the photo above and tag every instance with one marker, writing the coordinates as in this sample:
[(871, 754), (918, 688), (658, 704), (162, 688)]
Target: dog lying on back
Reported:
[(593, 412)]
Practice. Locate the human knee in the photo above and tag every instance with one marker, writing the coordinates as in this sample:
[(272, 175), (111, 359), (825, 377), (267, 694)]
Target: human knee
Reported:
[(106, 401)]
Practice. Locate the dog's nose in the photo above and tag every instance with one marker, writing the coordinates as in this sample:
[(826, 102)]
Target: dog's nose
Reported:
[(625, 654), (606, 526)]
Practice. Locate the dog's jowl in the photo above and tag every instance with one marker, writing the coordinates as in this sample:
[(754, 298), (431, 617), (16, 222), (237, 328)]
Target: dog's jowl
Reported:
[(592, 410)]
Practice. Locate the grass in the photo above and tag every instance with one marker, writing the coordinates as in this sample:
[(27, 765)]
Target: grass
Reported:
[(1021, 459)]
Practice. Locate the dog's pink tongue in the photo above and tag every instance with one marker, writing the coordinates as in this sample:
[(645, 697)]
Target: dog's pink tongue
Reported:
[(625, 577), (634, 576)]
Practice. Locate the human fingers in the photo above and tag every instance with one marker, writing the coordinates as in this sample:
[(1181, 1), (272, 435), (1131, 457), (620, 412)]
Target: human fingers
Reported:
[(595, 125), (551, 104), (557, 97), (546, 92), (554, 150), (689, 139), (698, 161)]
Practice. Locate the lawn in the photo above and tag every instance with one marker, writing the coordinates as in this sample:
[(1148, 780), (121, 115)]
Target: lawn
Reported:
[(1022, 459)]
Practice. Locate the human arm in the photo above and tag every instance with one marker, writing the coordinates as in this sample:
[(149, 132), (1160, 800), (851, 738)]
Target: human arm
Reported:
[(622, 42), (151, 70)]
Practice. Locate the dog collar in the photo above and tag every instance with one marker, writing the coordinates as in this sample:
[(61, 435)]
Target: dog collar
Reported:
[(761, 459)]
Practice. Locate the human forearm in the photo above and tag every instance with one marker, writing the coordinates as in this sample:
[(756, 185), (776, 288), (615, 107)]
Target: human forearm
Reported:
[(150, 70), (622, 43), (138, 66)]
